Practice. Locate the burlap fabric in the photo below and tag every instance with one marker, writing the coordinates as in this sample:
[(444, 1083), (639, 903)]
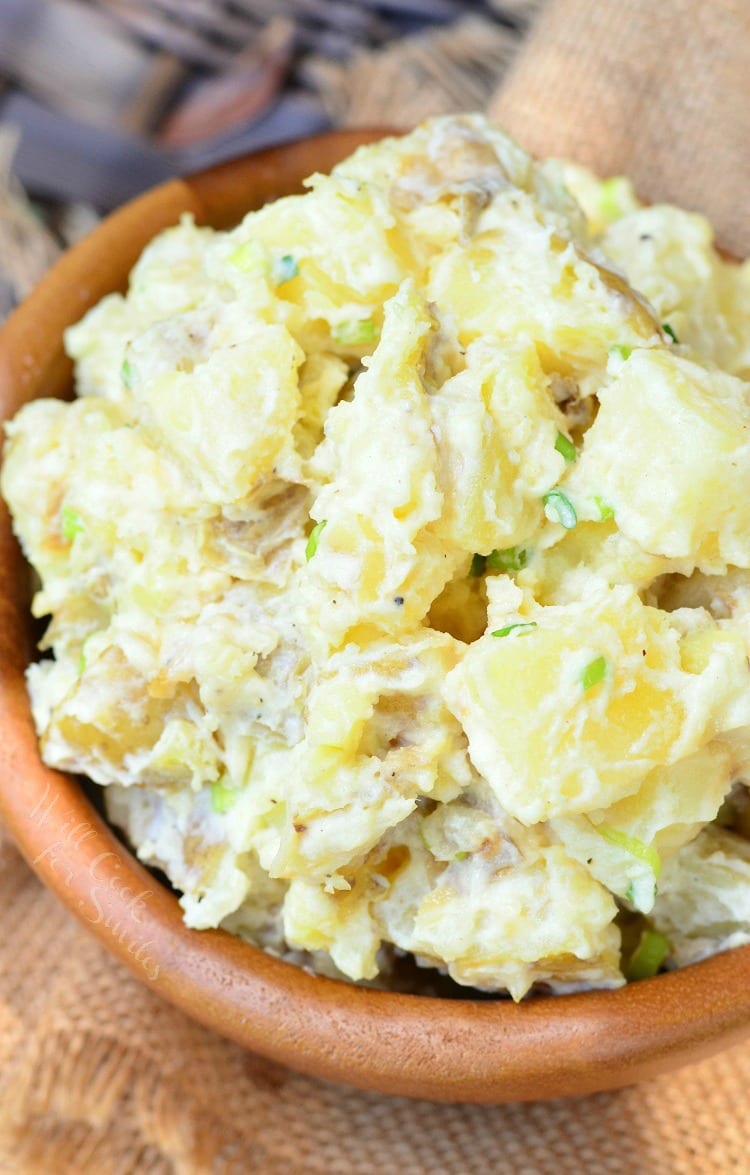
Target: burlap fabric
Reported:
[(656, 89), (98, 1075)]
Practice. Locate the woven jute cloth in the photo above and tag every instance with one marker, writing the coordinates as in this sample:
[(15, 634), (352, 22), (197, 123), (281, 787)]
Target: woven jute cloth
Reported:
[(98, 1075), (659, 91)]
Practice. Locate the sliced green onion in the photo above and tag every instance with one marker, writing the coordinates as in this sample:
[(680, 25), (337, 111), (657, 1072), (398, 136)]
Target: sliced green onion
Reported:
[(622, 350), (512, 627), (126, 374), (250, 258), (566, 448), (478, 565), (669, 331), (559, 508), (610, 196), (511, 559), (355, 330), (314, 539), (461, 855), (648, 956), (605, 512), (81, 665), (594, 673), (284, 269), (222, 798), (631, 844), (72, 523)]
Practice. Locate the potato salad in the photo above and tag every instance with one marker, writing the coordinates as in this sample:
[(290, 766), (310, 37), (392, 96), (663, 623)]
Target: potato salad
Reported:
[(396, 554)]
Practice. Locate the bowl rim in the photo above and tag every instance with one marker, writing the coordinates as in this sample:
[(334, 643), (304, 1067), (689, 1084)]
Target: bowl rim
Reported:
[(420, 1046)]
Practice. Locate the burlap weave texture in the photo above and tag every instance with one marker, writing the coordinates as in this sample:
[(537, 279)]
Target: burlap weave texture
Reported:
[(657, 91)]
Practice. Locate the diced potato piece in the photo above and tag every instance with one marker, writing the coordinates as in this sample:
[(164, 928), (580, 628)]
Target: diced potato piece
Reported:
[(704, 897), (348, 255), (496, 427), (377, 737), (230, 418), (105, 724), (204, 853), (604, 202), (540, 919), (624, 846), (572, 714), (46, 440), (377, 561), (376, 901), (518, 277), (558, 573), (669, 451), (668, 254), (94, 502), (168, 279)]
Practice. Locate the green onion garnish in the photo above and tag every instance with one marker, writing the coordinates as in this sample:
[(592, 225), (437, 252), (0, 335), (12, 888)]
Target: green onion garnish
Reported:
[(566, 448), (81, 665), (605, 512), (461, 856), (648, 956), (559, 508), (250, 257), (72, 523), (511, 627), (610, 196), (314, 539), (126, 374), (631, 844), (222, 798), (284, 269), (478, 565), (668, 331), (511, 559), (594, 673), (355, 330), (622, 350)]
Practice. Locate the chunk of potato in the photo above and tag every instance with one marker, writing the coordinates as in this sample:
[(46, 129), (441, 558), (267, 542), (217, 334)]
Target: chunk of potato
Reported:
[(572, 714), (518, 277), (496, 427), (378, 562), (669, 451)]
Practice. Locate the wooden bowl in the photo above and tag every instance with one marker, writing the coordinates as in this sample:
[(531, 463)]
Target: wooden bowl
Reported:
[(453, 1050)]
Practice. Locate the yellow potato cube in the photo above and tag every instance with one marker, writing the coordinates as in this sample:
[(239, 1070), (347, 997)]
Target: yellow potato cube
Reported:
[(378, 562), (569, 707), (518, 277), (625, 846), (540, 919), (230, 418), (669, 451), (496, 428)]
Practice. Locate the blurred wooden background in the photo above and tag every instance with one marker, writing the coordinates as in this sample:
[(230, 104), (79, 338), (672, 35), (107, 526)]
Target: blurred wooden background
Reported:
[(100, 99)]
